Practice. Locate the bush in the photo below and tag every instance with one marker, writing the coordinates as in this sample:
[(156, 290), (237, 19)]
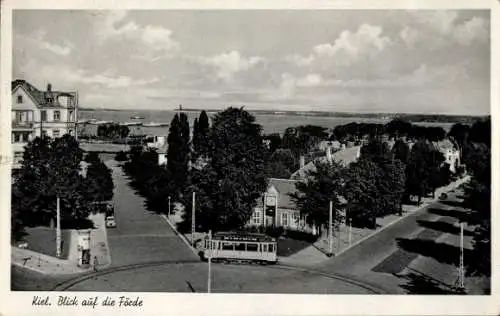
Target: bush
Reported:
[(121, 156), (300, 235), (92, 157)]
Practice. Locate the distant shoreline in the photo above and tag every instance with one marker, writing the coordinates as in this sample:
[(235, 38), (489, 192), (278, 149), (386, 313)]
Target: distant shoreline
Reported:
[(441, 118)]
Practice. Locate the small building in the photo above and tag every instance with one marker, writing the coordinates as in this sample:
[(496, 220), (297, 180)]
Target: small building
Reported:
[(162, 154), (450, 152), (281, 210)]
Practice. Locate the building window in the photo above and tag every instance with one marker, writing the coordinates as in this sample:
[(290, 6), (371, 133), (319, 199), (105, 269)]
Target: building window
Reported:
[(256, 217), (295, 219), (56, 133), (284, 219), (44, 133), (57, 116), (19, 99), (70, 115), (43, 116), (17, 137)]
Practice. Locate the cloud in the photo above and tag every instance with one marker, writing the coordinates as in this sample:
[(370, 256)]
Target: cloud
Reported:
[(70, 77), (446, 27), (156, 38), (351, 53), (410, 36), (38, 40), (228, 64)]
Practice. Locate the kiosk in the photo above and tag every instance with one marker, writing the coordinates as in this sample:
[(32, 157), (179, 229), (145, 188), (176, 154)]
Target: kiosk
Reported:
[(84, 248)]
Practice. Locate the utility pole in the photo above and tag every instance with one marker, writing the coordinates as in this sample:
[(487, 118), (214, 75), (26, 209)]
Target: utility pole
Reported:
[(264, 209), (330, 232), (169, 206), (76, 116), (209, 284), (58, 229), (193, 218), (350, 232), (461, 272)]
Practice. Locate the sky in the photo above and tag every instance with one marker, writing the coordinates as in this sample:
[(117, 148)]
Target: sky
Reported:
[(406, 61)]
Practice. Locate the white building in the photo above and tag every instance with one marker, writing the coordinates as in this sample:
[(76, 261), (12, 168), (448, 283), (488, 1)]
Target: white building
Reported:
[(36, 112)]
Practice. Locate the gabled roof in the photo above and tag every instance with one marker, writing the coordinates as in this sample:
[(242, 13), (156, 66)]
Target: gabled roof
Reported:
[(285, 187), (344, 157), (40, 97)]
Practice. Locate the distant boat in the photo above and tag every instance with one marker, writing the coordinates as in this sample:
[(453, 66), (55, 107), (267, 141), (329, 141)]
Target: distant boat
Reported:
[(131, 123), (154, 124), (136, 117), (102, 122)]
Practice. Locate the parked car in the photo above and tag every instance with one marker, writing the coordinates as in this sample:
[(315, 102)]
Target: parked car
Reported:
[(110, 222)]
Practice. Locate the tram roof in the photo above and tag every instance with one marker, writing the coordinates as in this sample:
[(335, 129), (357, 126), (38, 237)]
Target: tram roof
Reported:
[(242, 236)]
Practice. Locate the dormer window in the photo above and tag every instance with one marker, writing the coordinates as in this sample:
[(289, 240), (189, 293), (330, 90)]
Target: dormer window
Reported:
[(19, 99)]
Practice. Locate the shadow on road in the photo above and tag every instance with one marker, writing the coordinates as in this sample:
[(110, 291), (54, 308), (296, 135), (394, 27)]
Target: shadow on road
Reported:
[(462, 216), (453, 203), (443, 227), (417, 282), (441, 252)]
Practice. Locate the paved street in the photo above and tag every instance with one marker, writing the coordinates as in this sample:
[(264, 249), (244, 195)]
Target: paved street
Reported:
[(192, 277), (140, 236), (426, 239)]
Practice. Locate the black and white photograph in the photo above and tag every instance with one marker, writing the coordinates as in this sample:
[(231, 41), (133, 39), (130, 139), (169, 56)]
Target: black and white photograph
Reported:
[(251, 151)]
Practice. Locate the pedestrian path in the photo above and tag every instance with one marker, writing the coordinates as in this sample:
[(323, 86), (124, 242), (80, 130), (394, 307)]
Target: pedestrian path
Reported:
[(46, 264), (346, 237), (42, 263)]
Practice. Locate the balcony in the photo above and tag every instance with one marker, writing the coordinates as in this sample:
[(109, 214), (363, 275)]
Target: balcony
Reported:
[(22, 125)]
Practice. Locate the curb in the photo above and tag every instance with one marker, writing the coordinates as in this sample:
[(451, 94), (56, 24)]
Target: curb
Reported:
[(424, 205), (181, 236)]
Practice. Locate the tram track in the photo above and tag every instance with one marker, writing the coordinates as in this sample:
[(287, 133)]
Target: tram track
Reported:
[(68, 284)]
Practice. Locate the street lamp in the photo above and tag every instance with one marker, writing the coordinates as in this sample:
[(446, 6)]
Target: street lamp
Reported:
[(169, 206)]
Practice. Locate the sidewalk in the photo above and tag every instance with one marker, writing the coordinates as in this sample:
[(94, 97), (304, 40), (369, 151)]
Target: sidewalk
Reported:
[(358, 235), (45, 264)]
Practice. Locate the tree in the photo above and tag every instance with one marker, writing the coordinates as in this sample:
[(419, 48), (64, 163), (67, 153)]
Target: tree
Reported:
[(401, 151), (423, 164), (228, 187), (50, 169), (459, 134), (362, 192), (314, 195), (398, 127), (391, 184), (201, 140), (178, 153), (274, 141), (99, 182), (377, 151)]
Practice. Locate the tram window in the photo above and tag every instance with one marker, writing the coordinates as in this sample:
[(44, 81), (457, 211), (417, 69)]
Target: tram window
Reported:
[(252, 247), (227, 246), (264, 247), (239, 246), (271, 248), (214, 245)]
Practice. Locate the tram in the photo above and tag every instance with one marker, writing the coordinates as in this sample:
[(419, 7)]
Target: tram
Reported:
[(240, 247)]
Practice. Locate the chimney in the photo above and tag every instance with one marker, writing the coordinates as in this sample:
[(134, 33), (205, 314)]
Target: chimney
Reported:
[(49, 87), (302, 161), (329, 154)]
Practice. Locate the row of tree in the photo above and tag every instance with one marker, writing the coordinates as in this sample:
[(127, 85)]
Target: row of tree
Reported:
[(476, 144), (223, 163), (375, 185), (112, 131), (52, 168)]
